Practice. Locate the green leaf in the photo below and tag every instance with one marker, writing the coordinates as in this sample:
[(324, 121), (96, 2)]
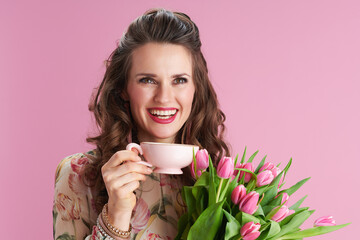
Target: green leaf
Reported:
[(236, 159), (208, 223), (288, 218), (212, 187), (287, 167), (243, 157), (196, 191), (275, 202), (296, 206), (251, 185), (224, 189), (253, 175), (294, 223), (262, 189), (264, 230), (295, 187), (182, 223), (259, 212), (252, 156), (231, 188), (236, 237), (270, 194), (235, 209), (201, 197), (272, 212), (267, 209), (274, 229), (313, 231), (245, 218), (189, 201), (260, 164), (203, 180), (232, 226), (186, 232)]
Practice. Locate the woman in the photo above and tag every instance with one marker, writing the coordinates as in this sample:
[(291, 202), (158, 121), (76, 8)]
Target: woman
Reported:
[(156, 88)]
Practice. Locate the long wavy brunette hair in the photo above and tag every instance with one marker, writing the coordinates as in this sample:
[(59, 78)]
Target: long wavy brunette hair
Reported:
[(205, 125)]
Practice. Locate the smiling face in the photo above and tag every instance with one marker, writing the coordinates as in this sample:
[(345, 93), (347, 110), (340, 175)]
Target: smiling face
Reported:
[(160, 90)]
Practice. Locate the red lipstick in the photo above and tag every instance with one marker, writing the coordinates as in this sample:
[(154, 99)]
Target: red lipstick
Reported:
[(162, 121)]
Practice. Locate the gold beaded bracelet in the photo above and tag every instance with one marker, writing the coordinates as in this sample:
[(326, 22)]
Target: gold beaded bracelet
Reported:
[(114, 230)]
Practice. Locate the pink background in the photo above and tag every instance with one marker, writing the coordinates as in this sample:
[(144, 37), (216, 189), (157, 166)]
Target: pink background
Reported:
[(286, 72)]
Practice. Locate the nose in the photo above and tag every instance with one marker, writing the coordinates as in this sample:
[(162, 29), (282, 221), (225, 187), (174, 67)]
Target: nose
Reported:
[(163, 93)]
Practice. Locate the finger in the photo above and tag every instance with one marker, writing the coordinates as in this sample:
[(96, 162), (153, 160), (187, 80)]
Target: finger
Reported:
[(144, 163), (132, 167), (118, 184), (135, 151), (128, 167), (121, 156)]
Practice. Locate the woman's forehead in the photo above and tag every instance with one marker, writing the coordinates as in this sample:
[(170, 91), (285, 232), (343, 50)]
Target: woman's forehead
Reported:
[(161, 58)]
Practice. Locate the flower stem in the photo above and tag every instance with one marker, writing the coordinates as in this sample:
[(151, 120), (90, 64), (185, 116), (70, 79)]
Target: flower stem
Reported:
[(219, 189), (225, 189), (195, 163)]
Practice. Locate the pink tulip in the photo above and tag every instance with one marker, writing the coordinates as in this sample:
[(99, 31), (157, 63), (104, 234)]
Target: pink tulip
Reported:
[(202, 159), (267, 166), (238, 193), (202, 162), (324, 221), (282, 213), (250, 231), (199, 172), (264, 178), (248, 166), (284, 198), (276, 171), (248, 204), (225, 167)]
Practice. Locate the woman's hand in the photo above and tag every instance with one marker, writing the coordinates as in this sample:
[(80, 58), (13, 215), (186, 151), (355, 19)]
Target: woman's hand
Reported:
[(121, 176)]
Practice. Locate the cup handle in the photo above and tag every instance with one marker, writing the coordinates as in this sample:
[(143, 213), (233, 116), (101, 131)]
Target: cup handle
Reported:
[(130, 146)]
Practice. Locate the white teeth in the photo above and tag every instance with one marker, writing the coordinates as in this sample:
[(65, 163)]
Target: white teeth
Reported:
[(163, 113), (164, 117)]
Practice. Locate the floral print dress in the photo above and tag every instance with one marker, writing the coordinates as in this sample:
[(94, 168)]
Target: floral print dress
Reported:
[(158, 208)]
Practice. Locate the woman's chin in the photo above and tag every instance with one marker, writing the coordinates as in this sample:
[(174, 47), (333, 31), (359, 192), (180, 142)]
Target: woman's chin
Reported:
[(163, 137)]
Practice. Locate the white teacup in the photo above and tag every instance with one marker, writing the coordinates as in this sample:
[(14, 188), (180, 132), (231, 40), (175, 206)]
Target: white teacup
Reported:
[(167, 158)]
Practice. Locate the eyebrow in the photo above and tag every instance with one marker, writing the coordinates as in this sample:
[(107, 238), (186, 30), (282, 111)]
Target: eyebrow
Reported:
[(154, 75)]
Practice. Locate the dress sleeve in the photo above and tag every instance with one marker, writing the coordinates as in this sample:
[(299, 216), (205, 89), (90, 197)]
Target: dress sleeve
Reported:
[(74, 214)]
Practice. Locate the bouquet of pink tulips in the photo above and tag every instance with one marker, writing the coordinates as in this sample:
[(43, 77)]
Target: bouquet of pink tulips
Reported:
[(239, 201)]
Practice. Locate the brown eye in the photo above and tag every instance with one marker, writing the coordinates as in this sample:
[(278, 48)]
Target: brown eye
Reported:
[(147, 81), (180, 81)]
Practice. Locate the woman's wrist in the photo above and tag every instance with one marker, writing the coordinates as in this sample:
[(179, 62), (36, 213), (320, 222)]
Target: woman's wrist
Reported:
[(118, 219)]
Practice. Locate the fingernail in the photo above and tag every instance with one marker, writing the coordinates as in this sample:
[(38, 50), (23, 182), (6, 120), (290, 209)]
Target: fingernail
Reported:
[(149, 170)]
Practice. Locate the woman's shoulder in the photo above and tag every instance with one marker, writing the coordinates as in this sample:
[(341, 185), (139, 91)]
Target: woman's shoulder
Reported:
[(73, 196), (73, 164)]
